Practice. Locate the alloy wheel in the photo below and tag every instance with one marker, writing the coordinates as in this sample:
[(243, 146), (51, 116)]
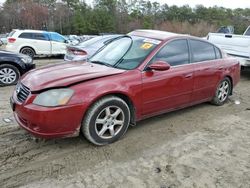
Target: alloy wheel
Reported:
[(109, 122), (7, 75), (223, 91)]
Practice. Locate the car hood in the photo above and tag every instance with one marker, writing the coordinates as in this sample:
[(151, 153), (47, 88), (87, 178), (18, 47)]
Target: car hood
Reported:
[(65, 74), (11, 54)]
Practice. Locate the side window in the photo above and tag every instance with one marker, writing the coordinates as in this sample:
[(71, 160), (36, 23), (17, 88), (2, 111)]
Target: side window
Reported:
[(57, 38), (217, 53), (202, 51), (41, 36), (175, 53), (248, 32), (26, 35)]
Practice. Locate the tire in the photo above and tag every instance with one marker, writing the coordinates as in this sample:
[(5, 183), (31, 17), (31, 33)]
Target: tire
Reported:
[(106, 121), (9, 75), (28, 51), (222, 92)]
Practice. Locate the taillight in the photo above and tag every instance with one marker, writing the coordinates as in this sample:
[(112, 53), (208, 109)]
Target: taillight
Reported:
[(11, 40), (77, 52)]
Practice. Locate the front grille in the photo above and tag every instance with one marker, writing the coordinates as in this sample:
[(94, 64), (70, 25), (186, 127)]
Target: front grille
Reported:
[(22, 92)]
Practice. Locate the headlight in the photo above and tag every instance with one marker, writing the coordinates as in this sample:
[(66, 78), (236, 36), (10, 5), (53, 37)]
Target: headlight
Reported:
[(27, 59), (54, 97)]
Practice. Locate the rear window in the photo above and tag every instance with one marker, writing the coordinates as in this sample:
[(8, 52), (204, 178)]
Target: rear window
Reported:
[(11, 33), (97, 41), (26, 35)]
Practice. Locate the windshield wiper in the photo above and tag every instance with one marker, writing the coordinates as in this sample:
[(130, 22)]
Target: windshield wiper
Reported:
[(101, 63)]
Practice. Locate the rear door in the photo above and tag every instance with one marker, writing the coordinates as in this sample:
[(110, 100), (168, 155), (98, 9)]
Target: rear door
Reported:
[(58, 43), (42, 43), (208, 69), (166, 90)]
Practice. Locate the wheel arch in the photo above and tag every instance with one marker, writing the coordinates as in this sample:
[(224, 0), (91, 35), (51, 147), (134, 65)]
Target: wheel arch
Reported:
[(13, 64), (27, 47), (124, 97), (231, 80)]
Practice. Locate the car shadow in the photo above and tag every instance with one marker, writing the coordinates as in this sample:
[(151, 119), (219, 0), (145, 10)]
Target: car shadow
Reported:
[(48, 57), (245, 74)]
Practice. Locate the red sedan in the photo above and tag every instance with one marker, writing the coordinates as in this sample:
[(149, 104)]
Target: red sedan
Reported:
[(136, 76)]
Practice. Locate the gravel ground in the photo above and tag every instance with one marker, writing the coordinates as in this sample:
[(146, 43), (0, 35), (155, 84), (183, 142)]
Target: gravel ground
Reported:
[(201, 146)]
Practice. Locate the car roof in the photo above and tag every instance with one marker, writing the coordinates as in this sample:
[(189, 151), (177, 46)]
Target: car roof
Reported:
[(29, 30), (155, 34)]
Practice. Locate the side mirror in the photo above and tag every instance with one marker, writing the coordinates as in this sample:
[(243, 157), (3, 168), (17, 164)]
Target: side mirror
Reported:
[(159, 66)]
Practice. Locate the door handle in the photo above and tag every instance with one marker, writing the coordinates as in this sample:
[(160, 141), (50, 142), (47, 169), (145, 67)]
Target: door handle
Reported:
[(188, 75), (220, 68)]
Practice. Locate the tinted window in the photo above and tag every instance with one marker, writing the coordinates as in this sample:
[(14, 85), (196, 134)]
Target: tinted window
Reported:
[(41, 36), (248, 32), (26, 35), (175, 53), (218, 53), (202, 51), (56, 37)]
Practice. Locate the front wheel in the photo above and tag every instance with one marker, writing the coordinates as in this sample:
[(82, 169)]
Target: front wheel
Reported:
[(106, 121), (9, 75), (222, 92)]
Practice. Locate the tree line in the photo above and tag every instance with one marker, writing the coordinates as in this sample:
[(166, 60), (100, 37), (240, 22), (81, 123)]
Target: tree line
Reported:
[(117, 16)]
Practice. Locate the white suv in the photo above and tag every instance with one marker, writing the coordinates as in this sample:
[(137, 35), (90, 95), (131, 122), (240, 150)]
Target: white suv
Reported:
[(35, 42)]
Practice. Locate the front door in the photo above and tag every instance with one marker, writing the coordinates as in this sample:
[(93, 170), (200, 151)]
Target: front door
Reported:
[(58, 44), (170, 89)]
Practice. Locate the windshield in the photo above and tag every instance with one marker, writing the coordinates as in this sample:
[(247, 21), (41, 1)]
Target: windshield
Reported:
[(125, 52)]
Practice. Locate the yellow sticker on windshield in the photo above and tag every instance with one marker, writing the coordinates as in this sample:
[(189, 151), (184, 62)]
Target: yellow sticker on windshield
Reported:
[(146, 46)]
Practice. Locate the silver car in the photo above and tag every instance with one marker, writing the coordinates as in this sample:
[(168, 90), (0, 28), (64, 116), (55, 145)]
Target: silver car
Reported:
[(87, 48)]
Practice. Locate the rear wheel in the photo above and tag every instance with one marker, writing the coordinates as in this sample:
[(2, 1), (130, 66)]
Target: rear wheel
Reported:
[(9, 75), (222, 92), (106, 121), (28, 51)]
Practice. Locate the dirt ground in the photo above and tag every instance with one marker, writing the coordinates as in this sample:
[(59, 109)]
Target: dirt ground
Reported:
[(202, 146)]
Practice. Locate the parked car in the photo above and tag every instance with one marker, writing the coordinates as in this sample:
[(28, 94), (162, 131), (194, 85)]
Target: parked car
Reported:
[(87, 48), (134, 77), (12, 66), (72, 39), (3, 39), (35, 42), (235, 45), (226, 29), (87, 37)]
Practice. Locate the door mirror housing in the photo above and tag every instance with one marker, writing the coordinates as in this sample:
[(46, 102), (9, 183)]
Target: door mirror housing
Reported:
[(159, 66)]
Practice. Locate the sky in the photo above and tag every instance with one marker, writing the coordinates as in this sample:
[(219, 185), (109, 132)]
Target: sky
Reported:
[(207, 3)]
